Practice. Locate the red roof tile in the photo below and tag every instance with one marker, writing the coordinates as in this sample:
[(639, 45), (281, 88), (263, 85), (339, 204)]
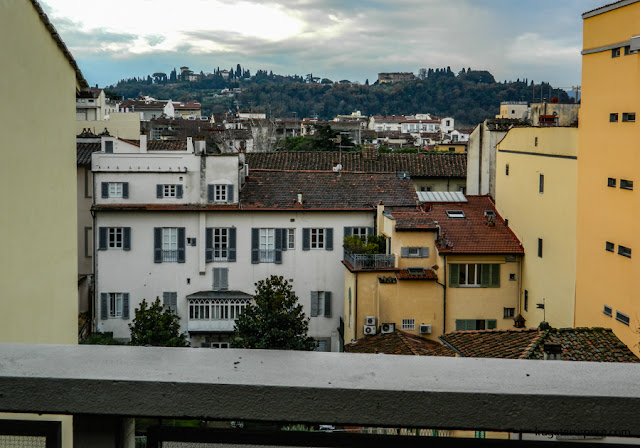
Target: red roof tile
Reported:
[(278, 190), (473, 234), (404, 274), (425, 164), (578, 344), (398, 343)]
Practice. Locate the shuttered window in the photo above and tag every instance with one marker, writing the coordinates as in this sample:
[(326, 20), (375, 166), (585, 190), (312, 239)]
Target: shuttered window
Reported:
[(317, 238), (474, 275), (114, 305), (320, 304), (170, 301), (220, 279)]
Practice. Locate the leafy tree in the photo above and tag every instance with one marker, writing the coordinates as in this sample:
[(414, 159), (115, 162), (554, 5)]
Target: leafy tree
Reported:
[(276, 320), (157, 326)]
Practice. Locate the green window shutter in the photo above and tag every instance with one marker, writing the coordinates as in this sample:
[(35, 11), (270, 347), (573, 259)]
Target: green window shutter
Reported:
[(125, 190), (454, 275), (278, 245), (174, 302), (327, 304), (328, 238), (255, 246), (485, 275), (230, 193), (210, 193), (369, 230), (424, 252), (105, 189), (208, 244), (181, 244), (314, 303), (306, 239), (125, 305), (159, 191), (460, 325), (126, 238), (491, 324), (157, 244), (231, 244), (348, 231), (404, 252), (166, 299), (224, 280), (179, 191), (104, 305), (495, 275), (102, 238)]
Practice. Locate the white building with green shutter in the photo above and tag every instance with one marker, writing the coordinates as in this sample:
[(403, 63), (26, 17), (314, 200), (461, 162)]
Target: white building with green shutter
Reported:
[(199, 230)]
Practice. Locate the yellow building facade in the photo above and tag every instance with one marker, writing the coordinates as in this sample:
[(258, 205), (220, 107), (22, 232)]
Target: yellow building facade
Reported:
[(608, 163), (536, 192), (431, 283), (38, 279)]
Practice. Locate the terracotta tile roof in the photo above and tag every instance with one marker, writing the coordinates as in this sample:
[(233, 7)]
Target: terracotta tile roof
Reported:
[(278, 190), (472, 234), (413, 221), (84, 151), (578, 344), (404, 274), (59, 42), (398, 343), (426, 164)]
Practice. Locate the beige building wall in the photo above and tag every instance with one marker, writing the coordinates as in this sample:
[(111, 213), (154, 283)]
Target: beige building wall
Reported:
[(523, 156), (121, 124), (439, 183), (38, 275), (512, 109), (609, 150)]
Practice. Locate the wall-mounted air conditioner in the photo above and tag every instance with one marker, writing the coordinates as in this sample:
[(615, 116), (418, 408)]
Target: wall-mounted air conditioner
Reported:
[(387, 328), (370, 320), (369, 330), (425, 329)]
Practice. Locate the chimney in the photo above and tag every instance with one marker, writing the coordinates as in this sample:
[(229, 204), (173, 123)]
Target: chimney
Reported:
[(552, 351), (300, 198), (143, 142), (369, 152), (200, 146)]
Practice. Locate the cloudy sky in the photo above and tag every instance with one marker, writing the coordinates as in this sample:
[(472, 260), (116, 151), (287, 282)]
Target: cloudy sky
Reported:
[(336, 39)]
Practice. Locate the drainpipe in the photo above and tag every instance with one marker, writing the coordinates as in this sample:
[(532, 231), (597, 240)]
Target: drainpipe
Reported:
[(355, 310), (444, 297)]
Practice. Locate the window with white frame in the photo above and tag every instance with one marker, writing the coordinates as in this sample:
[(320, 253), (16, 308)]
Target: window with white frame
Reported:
[(359, 231), (170, 244), (320, 304), (115, 189), (408, 324), (220, 244), (169, 190), (267, 245), (469, 275), (216, 309), (114, 237), (220, 193), (291, 239), (116, 304), (317, 238)]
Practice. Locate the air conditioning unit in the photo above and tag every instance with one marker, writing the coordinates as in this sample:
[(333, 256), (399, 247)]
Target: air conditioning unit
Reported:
[(425, 329), (369, 329), (370, 320), (387, 328)]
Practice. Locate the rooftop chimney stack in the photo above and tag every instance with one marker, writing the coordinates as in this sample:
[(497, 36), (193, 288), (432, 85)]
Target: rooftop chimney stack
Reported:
[(143, 142)]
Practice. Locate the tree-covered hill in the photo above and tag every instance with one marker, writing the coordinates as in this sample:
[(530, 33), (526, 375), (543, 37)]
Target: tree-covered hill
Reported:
[(469, 96)]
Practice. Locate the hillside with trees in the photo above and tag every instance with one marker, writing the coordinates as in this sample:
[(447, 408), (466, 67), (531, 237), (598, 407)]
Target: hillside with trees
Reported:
[(469, 96)]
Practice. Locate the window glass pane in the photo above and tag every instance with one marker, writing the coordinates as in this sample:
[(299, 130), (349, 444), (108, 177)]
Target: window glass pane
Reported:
[(472, 274)]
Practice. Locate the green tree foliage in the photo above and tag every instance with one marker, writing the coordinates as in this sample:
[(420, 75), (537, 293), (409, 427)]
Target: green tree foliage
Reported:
[(276, 320), (157, 326), (370, 244), (470, 96)]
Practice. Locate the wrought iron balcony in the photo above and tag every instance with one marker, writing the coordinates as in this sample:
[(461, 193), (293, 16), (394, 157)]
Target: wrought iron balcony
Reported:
[(370, 261)]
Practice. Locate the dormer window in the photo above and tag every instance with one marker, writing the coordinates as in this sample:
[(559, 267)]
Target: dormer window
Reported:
[(416, 271), (490, 214), (455, 214)]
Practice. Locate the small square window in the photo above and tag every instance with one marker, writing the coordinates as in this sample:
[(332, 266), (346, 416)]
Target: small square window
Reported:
[(627, 50), (607, 310), (512, 277), (613, 118), (408, 324), (609, 246), (615, 52), (506, 223), (626, 184), (621, 317), (509, 313), (624, 251), (611, 182), (629, 117)]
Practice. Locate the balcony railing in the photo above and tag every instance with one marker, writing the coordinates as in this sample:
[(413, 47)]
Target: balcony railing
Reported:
[(169, 255), (370, 261)]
